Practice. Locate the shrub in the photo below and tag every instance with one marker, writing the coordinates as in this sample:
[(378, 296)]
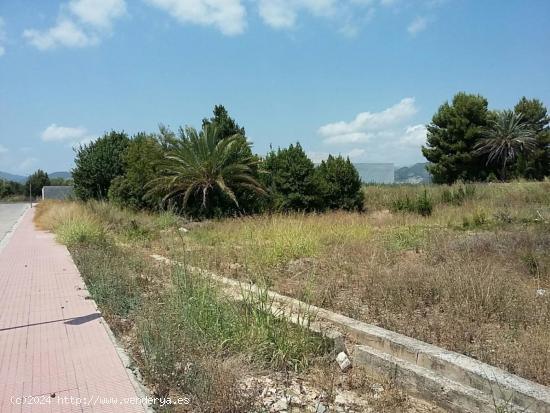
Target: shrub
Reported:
[(457, 196), (339, 184), (75, 232), (166, 219), (97, 164), (291, 179), (422, 205), (141, 159), (477, 220)]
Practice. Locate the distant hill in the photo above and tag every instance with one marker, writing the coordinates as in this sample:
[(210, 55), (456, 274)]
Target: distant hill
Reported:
[(414, 174), (20, 178), (64, 175), (11, 177)]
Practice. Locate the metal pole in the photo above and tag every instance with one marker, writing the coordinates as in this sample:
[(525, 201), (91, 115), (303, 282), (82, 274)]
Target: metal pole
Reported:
[(30, 192)]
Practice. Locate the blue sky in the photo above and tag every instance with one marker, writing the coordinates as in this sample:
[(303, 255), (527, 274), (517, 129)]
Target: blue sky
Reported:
[(356, 77)]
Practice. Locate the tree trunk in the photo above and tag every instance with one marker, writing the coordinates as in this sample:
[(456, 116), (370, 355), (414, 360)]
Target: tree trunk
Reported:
[(503, 172)]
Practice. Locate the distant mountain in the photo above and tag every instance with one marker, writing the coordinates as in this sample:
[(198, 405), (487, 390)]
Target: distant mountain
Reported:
[(11, 177), (20, 178), (64, 175), (415, 174)]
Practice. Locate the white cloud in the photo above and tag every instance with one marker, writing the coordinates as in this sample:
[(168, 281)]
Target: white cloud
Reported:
[(414, 136), (277, 14), (229, 16), (359, 129), (418, 25), (99, 13), (355, 137), (64, 33), (55, 133), (80, 23), (384, 136), (2, 37), (3, 149), (347, 14)]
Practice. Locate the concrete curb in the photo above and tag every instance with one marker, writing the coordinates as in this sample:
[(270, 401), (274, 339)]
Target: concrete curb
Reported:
[(133, 374), (451, 380)]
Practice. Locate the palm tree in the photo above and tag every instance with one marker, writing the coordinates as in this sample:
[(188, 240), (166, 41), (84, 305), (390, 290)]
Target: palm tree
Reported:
[(506, 137), (200, 163)]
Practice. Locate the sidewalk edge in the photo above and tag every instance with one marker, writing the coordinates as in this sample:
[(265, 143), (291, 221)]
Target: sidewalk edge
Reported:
[(141, 391)]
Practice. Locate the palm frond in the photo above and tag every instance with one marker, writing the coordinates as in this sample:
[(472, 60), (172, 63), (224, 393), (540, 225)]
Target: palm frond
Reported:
[(197, 163), (505, 138)]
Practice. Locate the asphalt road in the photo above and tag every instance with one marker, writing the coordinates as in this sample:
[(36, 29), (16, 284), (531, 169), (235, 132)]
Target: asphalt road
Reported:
[(9, 214)]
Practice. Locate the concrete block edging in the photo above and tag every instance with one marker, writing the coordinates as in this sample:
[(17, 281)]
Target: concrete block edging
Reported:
[(451, 380)]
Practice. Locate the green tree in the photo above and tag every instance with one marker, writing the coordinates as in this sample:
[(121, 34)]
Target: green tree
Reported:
[(10, 188), (36, 181), (535, 165), (249, 201), (141, 161), (452, 135), (339, 184), (506, 137), (290, 176), (226, 125), (97, 164), (201, 169)]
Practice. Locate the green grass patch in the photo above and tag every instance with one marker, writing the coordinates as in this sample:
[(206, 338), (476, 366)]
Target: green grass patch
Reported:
[(405, 238), (112, 277), (75, 232), (421, 205)]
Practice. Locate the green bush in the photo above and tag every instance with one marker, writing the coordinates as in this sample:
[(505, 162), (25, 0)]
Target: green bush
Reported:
[(478, 219), (422, 204), (141, 161), (339, 184), (97, 164), (291, 179), (457, 196), (75, 232)]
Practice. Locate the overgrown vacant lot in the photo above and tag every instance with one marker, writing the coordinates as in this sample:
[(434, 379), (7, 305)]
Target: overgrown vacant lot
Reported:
[(473, 277), (187, 339)]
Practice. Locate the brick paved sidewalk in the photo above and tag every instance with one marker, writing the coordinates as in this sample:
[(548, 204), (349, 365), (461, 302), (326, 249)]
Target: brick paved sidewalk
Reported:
[(53, 343)]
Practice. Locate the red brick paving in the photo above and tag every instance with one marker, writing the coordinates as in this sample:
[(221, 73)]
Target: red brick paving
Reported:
[(52, 340)]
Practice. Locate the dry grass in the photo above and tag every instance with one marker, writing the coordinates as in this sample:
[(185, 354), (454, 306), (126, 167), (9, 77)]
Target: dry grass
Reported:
[(187, 338), (465, 278)]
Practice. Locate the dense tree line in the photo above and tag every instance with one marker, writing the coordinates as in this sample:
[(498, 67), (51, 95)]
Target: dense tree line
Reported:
[(211, 172), (467, 141)]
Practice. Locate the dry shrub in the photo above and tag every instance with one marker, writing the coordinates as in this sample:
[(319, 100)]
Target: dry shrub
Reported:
[(71, 221), (49, 214)]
